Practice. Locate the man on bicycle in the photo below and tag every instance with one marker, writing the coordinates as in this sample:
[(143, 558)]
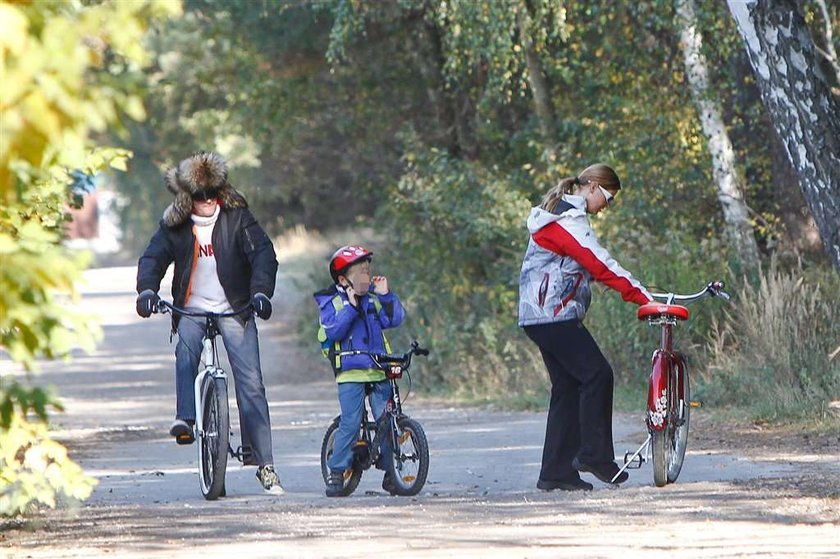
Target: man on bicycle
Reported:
[(354, 312), (223, 261)]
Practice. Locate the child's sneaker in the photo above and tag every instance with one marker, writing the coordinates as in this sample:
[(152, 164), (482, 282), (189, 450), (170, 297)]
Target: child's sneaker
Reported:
[(269, 480), (335, 484), (182, 431), (388, 484)]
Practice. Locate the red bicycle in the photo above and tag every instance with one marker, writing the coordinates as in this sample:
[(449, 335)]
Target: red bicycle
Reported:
[(669, 390)]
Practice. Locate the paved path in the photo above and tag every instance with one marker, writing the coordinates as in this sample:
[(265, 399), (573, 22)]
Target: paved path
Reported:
[(479, 501)]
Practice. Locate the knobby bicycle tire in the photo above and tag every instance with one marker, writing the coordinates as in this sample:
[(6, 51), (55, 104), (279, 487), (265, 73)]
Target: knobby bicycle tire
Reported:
[(352, 476), (408, 463), (213, 442)]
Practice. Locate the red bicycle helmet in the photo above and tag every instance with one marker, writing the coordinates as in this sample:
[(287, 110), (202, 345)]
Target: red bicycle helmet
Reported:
[(346, 256)]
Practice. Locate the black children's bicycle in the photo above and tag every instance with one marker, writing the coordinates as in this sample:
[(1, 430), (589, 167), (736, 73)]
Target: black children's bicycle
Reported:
[(212, 412), (407, 456)]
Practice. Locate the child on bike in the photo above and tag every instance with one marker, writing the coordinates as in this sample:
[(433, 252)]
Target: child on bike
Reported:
[(354, 312)]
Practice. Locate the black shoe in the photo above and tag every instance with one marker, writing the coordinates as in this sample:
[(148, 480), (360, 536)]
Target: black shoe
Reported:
[(605, 471), (335, 484), (567, 485), (388, 484), (182, 431)]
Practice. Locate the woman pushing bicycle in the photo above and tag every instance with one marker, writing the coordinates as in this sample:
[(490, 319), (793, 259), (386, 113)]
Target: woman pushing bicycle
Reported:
[(563, 255), (223, 261), (354, 312)]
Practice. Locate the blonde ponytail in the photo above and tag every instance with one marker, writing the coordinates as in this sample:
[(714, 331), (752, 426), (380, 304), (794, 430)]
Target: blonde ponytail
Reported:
[(565, 186)]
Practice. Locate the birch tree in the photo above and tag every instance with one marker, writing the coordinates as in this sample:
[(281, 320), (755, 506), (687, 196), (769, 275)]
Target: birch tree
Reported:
[(800, 103), (730, 184)]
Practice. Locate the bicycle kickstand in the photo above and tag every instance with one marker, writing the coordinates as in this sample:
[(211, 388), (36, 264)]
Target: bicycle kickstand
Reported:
[(628, 462)]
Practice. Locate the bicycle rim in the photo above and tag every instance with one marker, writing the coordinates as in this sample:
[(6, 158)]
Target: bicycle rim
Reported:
[(213, 442), (408, 465)]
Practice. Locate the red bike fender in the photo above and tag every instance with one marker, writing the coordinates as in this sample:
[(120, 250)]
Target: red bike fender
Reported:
[(658, 390)]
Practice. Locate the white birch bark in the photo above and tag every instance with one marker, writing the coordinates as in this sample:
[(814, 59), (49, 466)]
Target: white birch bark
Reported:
[(802, 108), (730, 184)]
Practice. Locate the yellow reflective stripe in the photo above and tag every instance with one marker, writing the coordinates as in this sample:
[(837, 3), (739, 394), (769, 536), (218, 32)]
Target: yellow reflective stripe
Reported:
[(378, 306), (360, 375)]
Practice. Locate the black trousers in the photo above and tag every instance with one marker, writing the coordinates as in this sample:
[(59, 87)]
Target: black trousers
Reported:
[(580, 413)]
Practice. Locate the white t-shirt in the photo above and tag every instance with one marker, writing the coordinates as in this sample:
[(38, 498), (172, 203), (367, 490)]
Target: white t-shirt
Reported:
[(206, 292)]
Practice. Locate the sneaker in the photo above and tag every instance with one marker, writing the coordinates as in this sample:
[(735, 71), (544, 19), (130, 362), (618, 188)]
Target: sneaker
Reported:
[(605, 471), (182, 431), (565, 485), (388, 484), (335, 484), (269, 480)]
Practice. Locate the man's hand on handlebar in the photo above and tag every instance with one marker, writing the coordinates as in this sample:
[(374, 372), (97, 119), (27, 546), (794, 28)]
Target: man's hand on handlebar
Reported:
[(262, 305), (147, 303)]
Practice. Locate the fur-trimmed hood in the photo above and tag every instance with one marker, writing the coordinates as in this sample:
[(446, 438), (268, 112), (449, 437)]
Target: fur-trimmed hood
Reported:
[(205, 170)]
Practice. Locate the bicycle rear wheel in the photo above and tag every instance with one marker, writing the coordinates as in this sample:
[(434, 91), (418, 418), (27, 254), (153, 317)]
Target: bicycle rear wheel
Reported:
[(214, 440), (668, 446), (353, 475), (408, 463)]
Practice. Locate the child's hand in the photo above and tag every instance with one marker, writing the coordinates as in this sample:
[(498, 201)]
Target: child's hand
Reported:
[(380, 285), (351, 295)]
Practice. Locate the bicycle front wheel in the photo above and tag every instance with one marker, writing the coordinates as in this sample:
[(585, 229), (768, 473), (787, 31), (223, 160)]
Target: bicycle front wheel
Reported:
[(680, 431), (408, 463), (214, 440)]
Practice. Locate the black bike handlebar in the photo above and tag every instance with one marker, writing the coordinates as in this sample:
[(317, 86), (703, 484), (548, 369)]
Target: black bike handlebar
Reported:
[(712, 289), (164, 307), (380, 358)]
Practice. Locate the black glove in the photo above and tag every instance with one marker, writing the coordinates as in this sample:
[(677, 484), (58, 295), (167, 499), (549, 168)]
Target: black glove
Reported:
[(147, 303), (262, 306)]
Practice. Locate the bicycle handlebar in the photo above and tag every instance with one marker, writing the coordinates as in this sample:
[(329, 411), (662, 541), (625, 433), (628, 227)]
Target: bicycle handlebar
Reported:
[(380, 358), (164, 307), (712, 289)]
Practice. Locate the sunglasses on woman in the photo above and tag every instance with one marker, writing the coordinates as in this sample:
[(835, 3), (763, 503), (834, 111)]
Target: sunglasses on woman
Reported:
[(609, 197)]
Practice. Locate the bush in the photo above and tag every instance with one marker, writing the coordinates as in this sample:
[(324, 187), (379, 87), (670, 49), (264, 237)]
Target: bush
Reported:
[(771, 351), (458, 240)]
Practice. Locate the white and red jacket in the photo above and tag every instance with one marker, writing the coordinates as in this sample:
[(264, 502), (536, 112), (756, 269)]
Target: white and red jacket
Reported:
[(563, 255)]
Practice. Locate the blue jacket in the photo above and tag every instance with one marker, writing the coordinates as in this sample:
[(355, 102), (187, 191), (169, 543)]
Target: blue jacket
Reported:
[(358, 327)]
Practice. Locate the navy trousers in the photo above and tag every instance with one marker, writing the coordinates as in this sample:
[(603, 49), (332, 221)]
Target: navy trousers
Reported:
[(580, 412)]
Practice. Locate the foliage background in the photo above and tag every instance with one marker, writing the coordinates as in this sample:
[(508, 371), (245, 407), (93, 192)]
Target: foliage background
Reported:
[(420, 118)]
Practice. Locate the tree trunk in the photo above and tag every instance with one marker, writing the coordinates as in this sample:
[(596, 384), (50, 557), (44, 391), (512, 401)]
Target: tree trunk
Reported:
[(830, 53), (540, 88), (801, 106), (724, 169)]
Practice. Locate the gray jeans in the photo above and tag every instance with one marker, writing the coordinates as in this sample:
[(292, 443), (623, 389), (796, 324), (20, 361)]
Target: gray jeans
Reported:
[(243, 352)]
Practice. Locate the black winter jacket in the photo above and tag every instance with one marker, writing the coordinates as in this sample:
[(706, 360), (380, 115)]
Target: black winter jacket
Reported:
[(245, 260)]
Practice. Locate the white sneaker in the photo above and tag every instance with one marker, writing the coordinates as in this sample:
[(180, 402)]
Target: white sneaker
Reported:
[(269, 480)]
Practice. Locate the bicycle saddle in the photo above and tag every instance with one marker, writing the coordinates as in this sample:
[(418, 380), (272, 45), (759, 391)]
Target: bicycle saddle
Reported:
[(657, 309)]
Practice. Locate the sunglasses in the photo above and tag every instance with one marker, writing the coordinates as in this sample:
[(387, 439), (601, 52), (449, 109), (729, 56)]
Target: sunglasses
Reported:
[(204, 195), (609, 197)]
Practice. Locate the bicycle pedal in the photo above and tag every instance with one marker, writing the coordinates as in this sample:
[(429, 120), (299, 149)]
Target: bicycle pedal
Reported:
[(695, 404), (185, 439)]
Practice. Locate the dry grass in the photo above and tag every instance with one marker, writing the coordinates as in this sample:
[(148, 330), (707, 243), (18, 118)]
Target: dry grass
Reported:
[(772, 352)]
